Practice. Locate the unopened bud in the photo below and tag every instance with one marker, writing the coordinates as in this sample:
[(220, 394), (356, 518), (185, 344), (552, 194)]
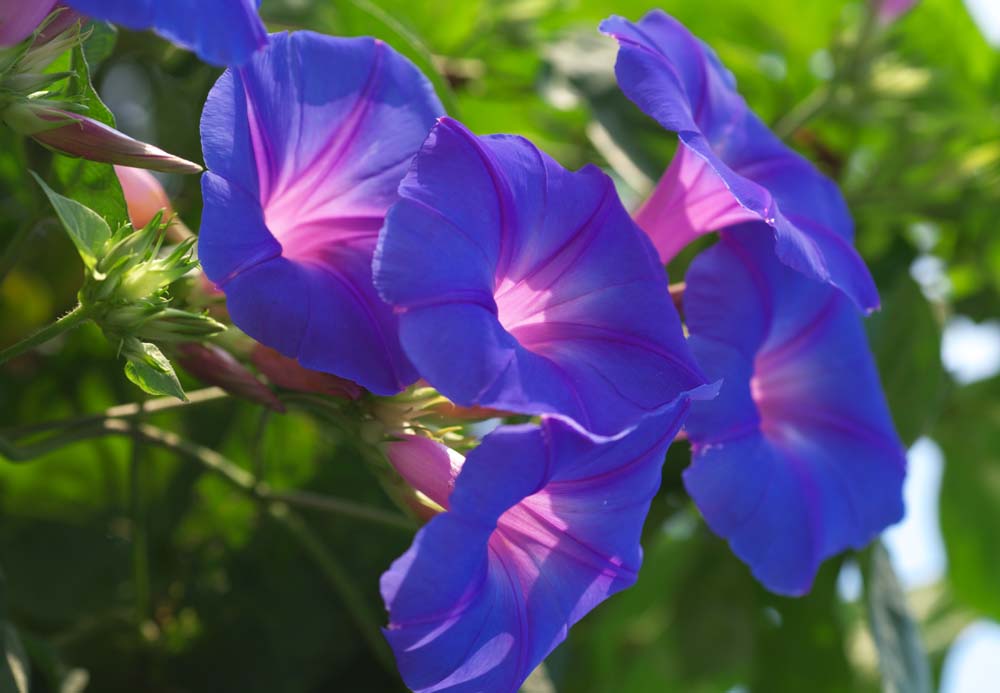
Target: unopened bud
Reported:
[(291, 375), (170, 325), (215, 366), (77, 135), (144, 195), (428, 467)]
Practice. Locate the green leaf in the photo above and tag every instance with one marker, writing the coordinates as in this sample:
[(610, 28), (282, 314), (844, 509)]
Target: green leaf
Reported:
[(101, 43), (906, 339), (153, 372), (902, 658), (88, 231), (969, 435), (800, 642), (91, 183)]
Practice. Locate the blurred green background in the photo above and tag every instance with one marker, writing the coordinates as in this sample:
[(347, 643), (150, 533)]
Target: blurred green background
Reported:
[(129, 568)]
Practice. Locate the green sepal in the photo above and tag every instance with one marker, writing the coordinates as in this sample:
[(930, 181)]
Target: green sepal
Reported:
[(85, 227)]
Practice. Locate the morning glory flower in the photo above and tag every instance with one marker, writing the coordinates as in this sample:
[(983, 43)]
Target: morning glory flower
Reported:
[(797, 459), (524, 287), (305, 148), (540, 526), (729, 167)]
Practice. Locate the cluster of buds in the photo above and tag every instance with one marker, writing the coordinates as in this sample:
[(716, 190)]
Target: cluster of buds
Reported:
[(34, 104), (126, 291)]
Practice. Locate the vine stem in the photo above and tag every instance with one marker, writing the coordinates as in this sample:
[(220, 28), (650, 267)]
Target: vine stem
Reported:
[(140, 531), (64, 324), (124, 411)]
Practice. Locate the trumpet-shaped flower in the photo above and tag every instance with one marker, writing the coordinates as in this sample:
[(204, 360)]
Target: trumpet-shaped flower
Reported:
[(797, 459), (541, 525), (525, 287), (305, 148), (729, 168)]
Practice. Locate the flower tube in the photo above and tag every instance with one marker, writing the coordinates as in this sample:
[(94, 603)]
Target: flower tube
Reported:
[(729, 168)]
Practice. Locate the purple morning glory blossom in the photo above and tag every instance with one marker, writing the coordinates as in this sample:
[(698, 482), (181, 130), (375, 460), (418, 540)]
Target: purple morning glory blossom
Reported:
[(525, 287), (797, 459), (543, 524), (730, 168), (305, 148), (221, 32)]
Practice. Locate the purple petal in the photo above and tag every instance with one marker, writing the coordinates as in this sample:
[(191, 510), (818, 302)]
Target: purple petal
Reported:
[(525, 287), (797, 459), (221, 32), (543, 525), (303, 164), (730, 168), (19, 19)]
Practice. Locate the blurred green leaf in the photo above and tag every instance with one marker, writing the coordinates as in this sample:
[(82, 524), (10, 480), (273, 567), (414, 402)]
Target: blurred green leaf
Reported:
[(100, 44), (88, 231), (901, 654), (92, 184), (969, 434), (915, 385)]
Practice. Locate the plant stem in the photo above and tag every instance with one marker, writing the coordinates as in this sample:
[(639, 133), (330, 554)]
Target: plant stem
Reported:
[(339, 506), (806, 110), (140, 531), (125, 411), (64, 324)]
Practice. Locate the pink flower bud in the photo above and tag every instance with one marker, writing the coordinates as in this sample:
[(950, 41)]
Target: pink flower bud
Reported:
[(427, 466), (215, 366), (890, 10), (20, 18), (77, 135), (144, 195), (289, 374)]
